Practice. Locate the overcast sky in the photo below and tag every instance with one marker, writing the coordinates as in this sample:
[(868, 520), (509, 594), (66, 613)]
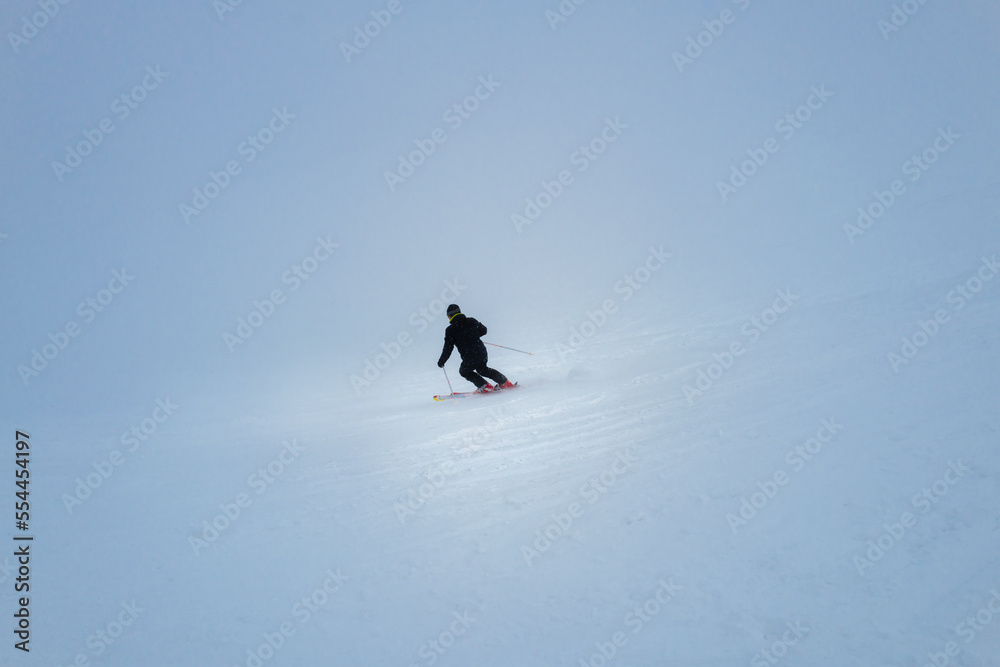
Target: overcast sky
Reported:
[(204, 151)]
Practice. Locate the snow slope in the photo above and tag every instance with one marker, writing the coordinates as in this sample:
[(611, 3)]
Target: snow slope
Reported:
[(527, 528)]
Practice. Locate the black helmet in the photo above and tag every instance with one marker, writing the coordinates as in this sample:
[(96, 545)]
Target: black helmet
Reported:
[(453, 310)]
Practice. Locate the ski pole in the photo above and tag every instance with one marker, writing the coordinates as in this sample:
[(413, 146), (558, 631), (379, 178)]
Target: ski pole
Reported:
[(449, 381), (507, 348)]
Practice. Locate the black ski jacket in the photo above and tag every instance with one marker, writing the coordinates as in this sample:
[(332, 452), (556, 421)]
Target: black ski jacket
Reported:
[(464, 333)]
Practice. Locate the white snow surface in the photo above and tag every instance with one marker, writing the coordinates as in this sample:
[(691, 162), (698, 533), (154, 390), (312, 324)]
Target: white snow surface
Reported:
[(527, 527)]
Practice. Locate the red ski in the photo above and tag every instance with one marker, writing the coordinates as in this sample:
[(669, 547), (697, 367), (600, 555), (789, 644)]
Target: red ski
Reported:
[(466, 394)]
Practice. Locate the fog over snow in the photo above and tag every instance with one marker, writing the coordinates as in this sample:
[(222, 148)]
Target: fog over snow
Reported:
[(752, 248)]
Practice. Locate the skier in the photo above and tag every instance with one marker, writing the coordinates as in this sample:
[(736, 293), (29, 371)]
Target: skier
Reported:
[(464, 333)]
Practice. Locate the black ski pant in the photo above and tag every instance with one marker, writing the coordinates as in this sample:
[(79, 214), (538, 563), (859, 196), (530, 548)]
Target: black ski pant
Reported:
[(474, 370)]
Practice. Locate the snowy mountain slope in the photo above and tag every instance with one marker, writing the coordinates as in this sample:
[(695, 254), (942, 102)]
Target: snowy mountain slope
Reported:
[(526, 528)]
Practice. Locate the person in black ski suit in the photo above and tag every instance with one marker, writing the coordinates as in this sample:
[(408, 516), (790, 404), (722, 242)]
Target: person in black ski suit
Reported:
[(465, 333)]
